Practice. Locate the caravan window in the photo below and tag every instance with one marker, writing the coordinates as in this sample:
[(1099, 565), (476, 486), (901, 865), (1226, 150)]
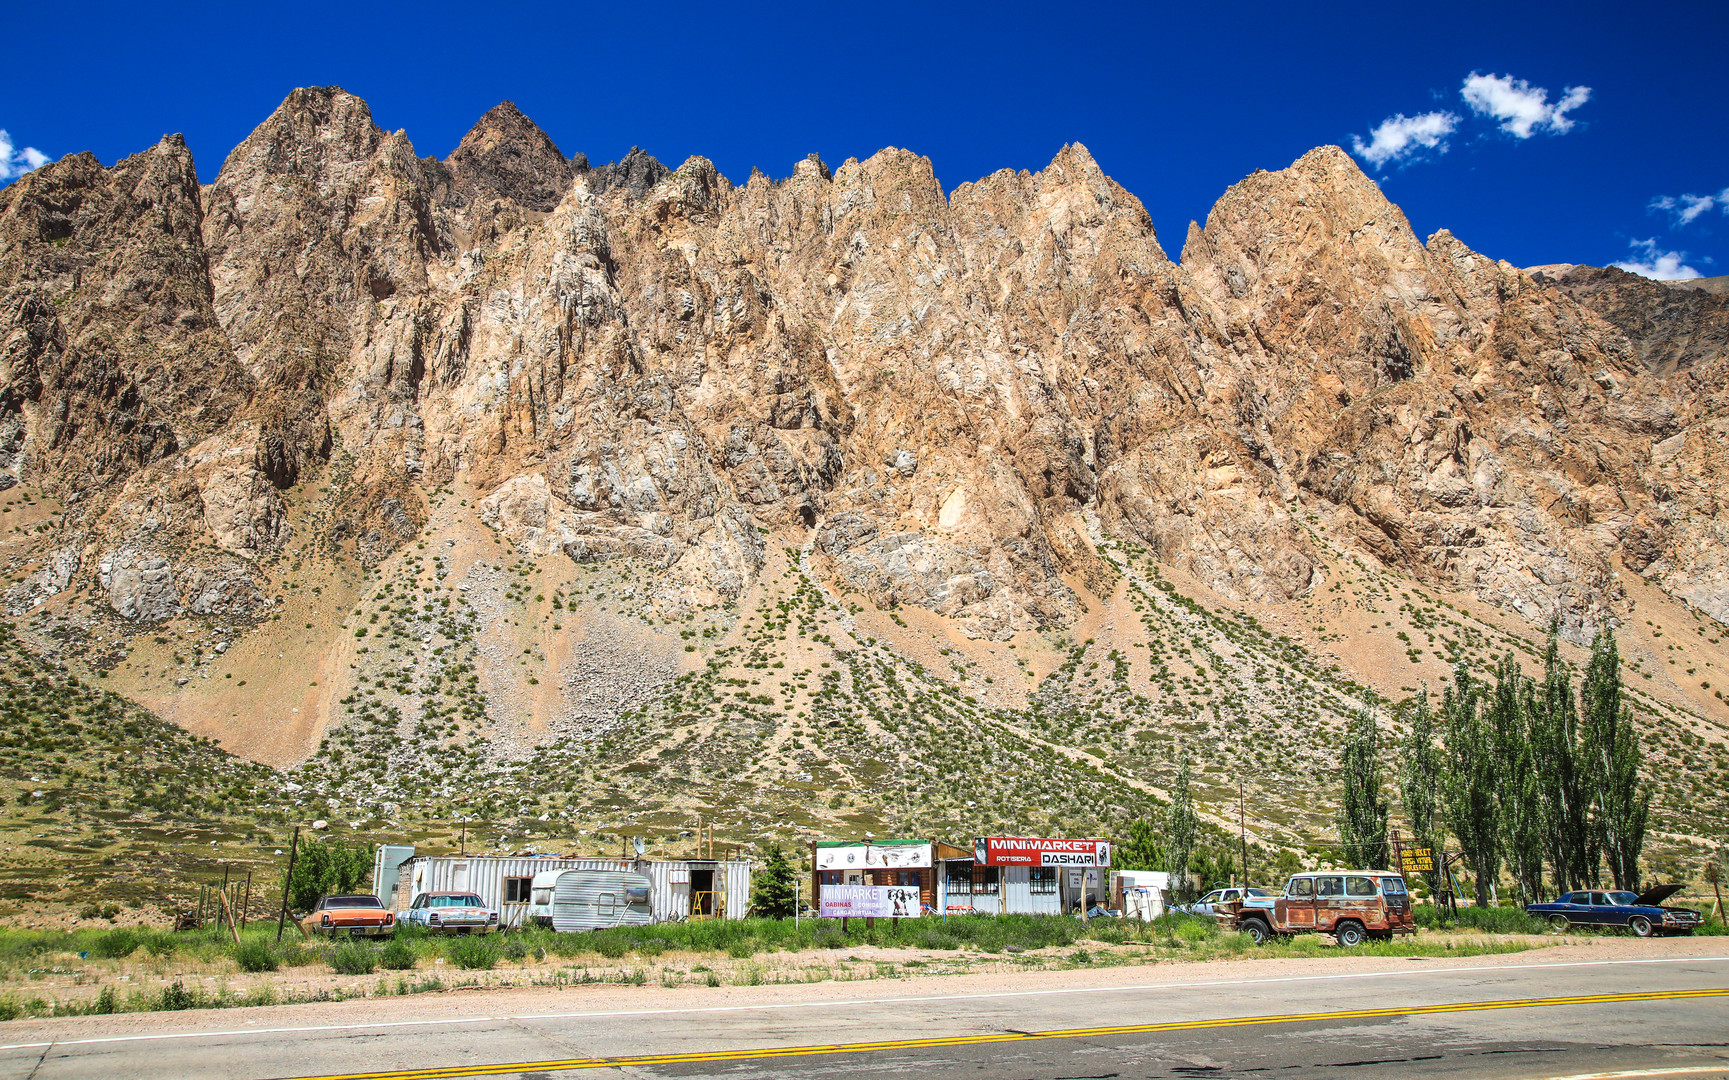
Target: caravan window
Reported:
[(516, 889)]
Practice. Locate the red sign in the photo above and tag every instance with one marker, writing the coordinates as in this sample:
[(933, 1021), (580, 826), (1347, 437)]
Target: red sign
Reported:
[(1034, 851)]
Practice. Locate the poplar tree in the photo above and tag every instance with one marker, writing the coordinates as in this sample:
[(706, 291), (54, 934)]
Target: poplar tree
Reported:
[(1180, 826), (1563, 768), (1509, 716), (1468, 782), (1362, 815), (1620, 803), (1420, 781)]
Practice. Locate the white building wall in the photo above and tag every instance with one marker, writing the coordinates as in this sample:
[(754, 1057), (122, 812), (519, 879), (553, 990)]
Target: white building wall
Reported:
[(485, 874)]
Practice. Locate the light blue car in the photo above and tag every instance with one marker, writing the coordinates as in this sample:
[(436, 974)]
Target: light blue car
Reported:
[(452, 913)]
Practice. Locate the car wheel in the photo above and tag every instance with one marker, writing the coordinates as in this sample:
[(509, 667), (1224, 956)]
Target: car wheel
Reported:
[(1641, 926), (1349, 935), (1559, 922), (1258, 931)]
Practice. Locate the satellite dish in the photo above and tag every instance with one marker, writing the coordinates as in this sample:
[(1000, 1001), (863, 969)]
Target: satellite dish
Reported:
[(640, 844)]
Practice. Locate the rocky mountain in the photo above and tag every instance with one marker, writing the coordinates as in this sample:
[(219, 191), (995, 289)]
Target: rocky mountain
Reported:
[(290, 454)]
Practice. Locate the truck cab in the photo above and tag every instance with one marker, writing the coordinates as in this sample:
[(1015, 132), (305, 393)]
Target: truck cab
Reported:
[(1352, 905)]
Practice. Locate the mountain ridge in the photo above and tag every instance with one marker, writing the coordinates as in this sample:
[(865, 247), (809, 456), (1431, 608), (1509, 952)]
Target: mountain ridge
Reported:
[(972, 438)]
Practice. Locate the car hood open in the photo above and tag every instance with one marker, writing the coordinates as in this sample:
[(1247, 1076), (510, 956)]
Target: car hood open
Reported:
[(1654, 897)]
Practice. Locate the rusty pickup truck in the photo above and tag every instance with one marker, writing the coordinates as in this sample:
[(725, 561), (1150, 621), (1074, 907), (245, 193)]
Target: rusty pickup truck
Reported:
[(1352, 905)]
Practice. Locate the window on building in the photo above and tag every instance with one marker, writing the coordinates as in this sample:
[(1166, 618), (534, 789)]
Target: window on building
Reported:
[(960, 879), (990, 881), (1042, 880), (830, 877), (908, 877), (518, 889)]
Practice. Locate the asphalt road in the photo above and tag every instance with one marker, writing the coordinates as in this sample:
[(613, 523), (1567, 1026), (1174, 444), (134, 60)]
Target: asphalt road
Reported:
[(1536, 1015)]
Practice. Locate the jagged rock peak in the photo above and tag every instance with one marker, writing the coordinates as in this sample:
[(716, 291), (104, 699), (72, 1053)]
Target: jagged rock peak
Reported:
[(313, 127), (505, 154), (636, 174)]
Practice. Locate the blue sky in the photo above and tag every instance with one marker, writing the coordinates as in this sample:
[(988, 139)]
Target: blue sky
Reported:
[(1176, 101)]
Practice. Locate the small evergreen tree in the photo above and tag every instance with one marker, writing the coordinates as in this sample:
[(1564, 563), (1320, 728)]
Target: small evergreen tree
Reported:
[(773, 894), (1621, 804), (1362, 815), (1468, 784), (1180, 825), (1142, 851), (1420, 782)]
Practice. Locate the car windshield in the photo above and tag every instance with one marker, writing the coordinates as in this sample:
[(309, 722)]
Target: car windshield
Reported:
[(455, 901), (352, 902)]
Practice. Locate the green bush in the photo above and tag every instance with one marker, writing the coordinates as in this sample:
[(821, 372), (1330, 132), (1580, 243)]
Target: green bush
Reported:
[(473, 953), (114, 944), (255, 954), (353, 958), (1489, 920), (397, 956)]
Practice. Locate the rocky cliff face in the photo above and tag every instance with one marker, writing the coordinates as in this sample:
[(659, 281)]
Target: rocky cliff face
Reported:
[(945, 401)]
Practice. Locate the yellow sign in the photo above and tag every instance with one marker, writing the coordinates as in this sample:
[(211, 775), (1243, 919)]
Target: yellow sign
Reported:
[(1417, 860)]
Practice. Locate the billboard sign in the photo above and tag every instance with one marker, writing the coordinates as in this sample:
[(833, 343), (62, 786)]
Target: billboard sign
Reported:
[(1034, 851), (1417, 860), (873, 857), (869, 902)]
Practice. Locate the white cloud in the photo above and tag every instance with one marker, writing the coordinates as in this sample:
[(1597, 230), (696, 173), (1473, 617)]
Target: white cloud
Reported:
[(15, 163), (1687, 207), (1399, 137), (1657, 264), (1520, 107)]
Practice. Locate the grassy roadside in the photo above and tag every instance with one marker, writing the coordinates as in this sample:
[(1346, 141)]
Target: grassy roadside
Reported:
[(85, 972)]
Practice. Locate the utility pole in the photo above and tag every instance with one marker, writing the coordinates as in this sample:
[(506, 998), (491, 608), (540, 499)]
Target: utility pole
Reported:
[(288, 876), (1243, 830), (462, 843)]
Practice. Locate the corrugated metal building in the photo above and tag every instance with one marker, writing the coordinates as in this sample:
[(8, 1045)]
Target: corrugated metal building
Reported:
[(682, 888)]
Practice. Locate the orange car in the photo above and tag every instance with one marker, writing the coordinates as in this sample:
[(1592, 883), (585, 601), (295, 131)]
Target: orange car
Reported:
[(356, 916)]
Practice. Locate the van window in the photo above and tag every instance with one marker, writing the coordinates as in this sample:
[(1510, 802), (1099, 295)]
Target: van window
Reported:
[(1393, 886), (1301, 886), (1329, 886), (1359, 886)]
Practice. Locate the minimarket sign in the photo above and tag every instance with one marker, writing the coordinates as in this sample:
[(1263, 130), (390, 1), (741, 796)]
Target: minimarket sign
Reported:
[(1038, 851)]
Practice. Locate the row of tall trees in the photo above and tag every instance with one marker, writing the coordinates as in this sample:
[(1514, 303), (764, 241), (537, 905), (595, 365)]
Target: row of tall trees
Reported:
[(1524, 772)]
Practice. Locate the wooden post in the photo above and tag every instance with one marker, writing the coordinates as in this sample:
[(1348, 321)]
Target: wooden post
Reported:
[(282, 918), (228, 916), (244, 907), (815, 882)]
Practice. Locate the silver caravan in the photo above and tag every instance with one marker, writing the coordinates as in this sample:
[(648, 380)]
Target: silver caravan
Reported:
[(571, 900)]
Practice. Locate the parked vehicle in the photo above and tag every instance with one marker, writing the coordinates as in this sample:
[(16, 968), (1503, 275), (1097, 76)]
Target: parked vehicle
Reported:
[(573, 900), (452, 913), (356, 916), (1352, 905), (1209, 904), (1642, 913)]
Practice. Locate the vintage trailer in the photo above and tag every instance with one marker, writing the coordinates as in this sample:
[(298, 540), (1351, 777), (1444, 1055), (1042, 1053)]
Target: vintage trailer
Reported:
[(574, 900), (678, 888)]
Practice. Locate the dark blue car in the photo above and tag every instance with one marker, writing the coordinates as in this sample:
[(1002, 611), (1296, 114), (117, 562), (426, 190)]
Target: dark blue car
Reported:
[(1643, 913)]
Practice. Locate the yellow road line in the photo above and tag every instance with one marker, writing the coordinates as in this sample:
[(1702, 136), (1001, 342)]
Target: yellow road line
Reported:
[(444, 1073)]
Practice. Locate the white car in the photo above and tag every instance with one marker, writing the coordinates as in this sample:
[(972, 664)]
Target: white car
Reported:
[(1206, 904), (452, 913)]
